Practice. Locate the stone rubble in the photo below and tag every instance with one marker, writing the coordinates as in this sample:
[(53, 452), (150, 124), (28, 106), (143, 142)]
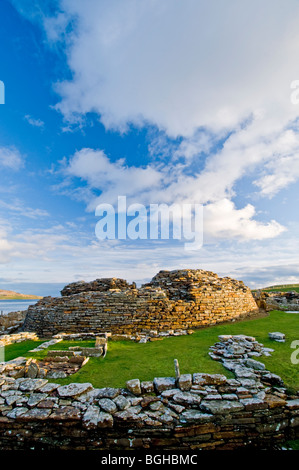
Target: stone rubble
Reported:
[(57, 363), (277, 300), (277, 336), (5, 340)]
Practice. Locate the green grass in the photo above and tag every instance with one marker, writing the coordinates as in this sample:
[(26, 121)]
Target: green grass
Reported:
[(127, 360), (20, 349), (292, 445), (280, 288)]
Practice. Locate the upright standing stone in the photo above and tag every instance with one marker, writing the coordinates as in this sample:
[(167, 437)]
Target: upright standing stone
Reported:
[(177, 369)]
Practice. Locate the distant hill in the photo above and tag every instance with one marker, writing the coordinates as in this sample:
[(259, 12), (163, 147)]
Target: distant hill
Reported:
[(281, 288), (11, 295)]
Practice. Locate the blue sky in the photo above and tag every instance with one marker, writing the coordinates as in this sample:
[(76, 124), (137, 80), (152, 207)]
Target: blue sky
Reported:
[(164, 102)]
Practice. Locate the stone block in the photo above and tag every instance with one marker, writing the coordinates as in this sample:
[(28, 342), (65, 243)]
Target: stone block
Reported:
[(134, 386), (164, 383), (184, 382)]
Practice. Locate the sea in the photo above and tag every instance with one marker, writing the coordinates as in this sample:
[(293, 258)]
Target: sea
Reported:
[(7, 306)]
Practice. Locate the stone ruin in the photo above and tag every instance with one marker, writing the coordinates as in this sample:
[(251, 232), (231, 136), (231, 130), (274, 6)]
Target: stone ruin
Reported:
[(57, 363), (277, 300), (189, 412), (172, 301)]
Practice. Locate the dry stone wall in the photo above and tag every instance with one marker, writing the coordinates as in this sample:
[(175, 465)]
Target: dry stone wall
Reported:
[(189, 411), (181, 299)]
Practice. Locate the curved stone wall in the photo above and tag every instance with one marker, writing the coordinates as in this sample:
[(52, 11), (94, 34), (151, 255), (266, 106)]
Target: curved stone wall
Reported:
[(181, 299)]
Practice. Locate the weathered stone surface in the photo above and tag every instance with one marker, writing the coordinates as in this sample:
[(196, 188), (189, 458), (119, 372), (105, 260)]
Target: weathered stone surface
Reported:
[(29, 385), (274, 401), (184, 382), (107, 405), (186, 398), (293, 404), (147, 387), (277, 336), (121, 402), (16, 412), (49, 387), (73, 389), (35, 398), (65, 413), (255, 364), (35, 414), (108, 392), (56, 374), (134, 386), (47, 403), (221, 406), (91, 417), (32, 370), (192, 416), (164, 383), (209, 379), (127, 415), (253, 404)]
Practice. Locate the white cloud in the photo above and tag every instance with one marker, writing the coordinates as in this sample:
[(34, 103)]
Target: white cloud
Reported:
[(30, 244), (10, 158), (179, 66), (193, 70), (113, 179), (283, 168), (169, 184), (34, 122), (17, 206), (207, 73), (223, 220)]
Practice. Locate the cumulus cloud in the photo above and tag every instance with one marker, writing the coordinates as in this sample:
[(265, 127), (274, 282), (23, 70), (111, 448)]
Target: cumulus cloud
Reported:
[(164, 184), (179, 66), (214, 75), (112, 178), (194, 71), (223, 220)]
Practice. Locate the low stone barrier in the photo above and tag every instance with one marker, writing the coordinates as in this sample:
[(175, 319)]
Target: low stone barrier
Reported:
[(188, 411), (5, 340)]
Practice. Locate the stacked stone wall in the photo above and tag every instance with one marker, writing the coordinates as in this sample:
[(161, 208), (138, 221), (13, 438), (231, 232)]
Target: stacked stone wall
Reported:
[(189, 411), (174, 300)]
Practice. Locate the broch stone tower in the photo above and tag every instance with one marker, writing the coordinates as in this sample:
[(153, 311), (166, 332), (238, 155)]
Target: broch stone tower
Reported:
[(173, 300)]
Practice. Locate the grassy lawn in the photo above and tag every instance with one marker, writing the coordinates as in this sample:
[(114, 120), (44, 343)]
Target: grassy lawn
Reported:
[(20, 349), (127, 360)]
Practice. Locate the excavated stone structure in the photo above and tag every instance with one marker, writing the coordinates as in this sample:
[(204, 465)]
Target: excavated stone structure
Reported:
[(188, 412), (173, 300)]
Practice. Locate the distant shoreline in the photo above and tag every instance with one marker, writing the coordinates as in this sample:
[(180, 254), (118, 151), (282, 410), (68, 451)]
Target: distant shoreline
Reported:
[(12, 295), (30, 297)]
